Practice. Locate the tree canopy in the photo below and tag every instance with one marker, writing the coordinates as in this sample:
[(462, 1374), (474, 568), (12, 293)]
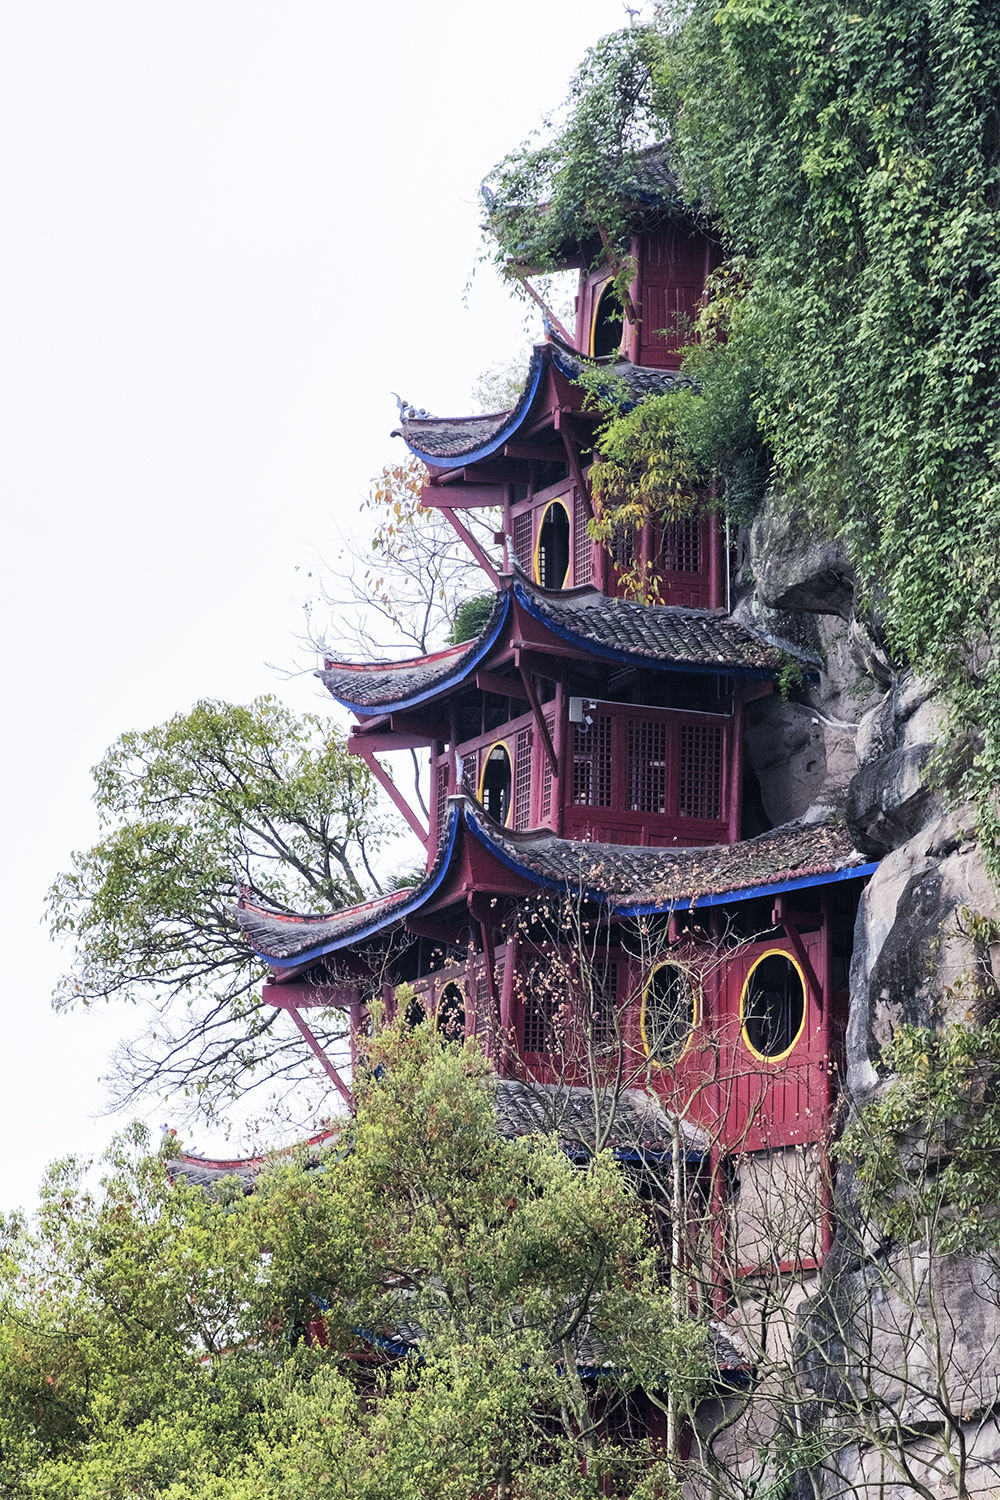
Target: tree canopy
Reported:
[(222, 796), (153, 1337)]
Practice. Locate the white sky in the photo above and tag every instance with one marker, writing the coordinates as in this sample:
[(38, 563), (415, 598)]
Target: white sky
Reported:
[(231, 228)]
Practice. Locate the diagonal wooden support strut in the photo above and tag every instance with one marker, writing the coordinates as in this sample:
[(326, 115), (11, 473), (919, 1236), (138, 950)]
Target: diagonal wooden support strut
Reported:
[(473, 546), (325, 1062), (386, 782)]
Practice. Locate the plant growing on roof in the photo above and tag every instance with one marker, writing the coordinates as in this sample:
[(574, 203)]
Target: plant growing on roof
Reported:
[(579, 188)]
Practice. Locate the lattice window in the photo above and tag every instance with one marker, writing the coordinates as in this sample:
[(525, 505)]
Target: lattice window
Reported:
[(442, 798), (521, 538), (470, 772), (538, 1006), (592, 763), (700, 775), (546, 801), (682, 546), (522, 780), (482, 1004), (647, 766), (622, 546), (583, 547)]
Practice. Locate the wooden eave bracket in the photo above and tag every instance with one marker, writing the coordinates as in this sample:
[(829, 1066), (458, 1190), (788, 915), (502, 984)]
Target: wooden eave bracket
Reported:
[(536, 709), (473, 546), (787, 920), (387, 784), (576, 469), (324, 1061)]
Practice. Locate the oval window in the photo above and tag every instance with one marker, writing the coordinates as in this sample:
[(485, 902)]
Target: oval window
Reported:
[(552, 559), (669, 1013), (606, 338), (773, 1006), (495, 784), (451, 1013)]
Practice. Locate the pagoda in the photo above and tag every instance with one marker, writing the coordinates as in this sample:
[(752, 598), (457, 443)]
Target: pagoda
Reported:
[(604, 906)]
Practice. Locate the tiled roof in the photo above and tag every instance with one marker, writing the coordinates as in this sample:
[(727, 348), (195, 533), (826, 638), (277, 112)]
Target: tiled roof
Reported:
[(441, 440), (449, 441), (286, 941), (634, 879), (275, 935), (630, 1121), (630, 879), (653, 179), (615, 629), (370, 686), (640, 380), (698, 638), (208, 1172)]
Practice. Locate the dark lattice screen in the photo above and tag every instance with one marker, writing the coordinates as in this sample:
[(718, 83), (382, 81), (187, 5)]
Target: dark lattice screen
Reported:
[(442, 798), (700, 790), (538, 1007), (521, 538), (647, 766), (682, 546), (583, 547), (622, 546), (546, 807), (470, 772), (592, 763), (522, 780)]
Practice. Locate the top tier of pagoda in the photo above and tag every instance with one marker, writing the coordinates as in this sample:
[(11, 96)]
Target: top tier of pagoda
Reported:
[(577, 710)]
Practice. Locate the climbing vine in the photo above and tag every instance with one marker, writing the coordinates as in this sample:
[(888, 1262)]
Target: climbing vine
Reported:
[(853, 155)]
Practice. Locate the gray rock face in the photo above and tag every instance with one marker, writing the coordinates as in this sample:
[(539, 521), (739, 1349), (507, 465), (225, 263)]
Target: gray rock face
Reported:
[(889, 799), (794, 567)]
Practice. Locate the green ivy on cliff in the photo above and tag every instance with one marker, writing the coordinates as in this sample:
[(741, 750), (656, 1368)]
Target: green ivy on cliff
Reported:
[(853, 155)]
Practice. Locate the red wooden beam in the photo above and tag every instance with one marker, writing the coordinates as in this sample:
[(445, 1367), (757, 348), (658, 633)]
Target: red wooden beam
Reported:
[(327, 1065), (503, 687), (290, 996), (536, 709), (473, 546), (386, 782)]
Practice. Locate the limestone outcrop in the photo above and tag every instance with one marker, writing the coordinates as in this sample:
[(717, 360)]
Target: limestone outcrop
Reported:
[(895, 1380)]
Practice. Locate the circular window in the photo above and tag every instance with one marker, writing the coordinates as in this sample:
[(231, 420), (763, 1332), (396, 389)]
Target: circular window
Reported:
[(669, 1013), (773, 1005), (552, 558), (451, 1013), (495, 784)]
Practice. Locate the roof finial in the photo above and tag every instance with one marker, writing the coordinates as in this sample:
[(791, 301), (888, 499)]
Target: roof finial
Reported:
[(407, 413)]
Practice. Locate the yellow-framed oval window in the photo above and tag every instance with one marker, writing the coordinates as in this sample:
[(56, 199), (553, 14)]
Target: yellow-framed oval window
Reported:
[(669, 1013), (773, 1005), (552, 546), (451, 1012), (607, 325), (496, 783)]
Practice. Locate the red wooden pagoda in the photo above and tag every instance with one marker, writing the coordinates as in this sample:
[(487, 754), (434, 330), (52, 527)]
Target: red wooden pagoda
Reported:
[(586, 759)]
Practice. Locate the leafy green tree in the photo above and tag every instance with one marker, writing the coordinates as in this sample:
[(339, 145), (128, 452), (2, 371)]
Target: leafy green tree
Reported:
[(151, 1340), (192, 808)]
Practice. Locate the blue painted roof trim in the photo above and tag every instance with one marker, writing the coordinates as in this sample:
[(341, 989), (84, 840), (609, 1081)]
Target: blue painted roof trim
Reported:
[(633, 658), (648, 909), (391, 916), (517, 416), (851, 872), (467, 665)]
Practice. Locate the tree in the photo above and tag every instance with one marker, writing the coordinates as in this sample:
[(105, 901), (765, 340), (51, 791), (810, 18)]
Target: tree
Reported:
[(219, 797), (412, 579), (152, 1339)]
